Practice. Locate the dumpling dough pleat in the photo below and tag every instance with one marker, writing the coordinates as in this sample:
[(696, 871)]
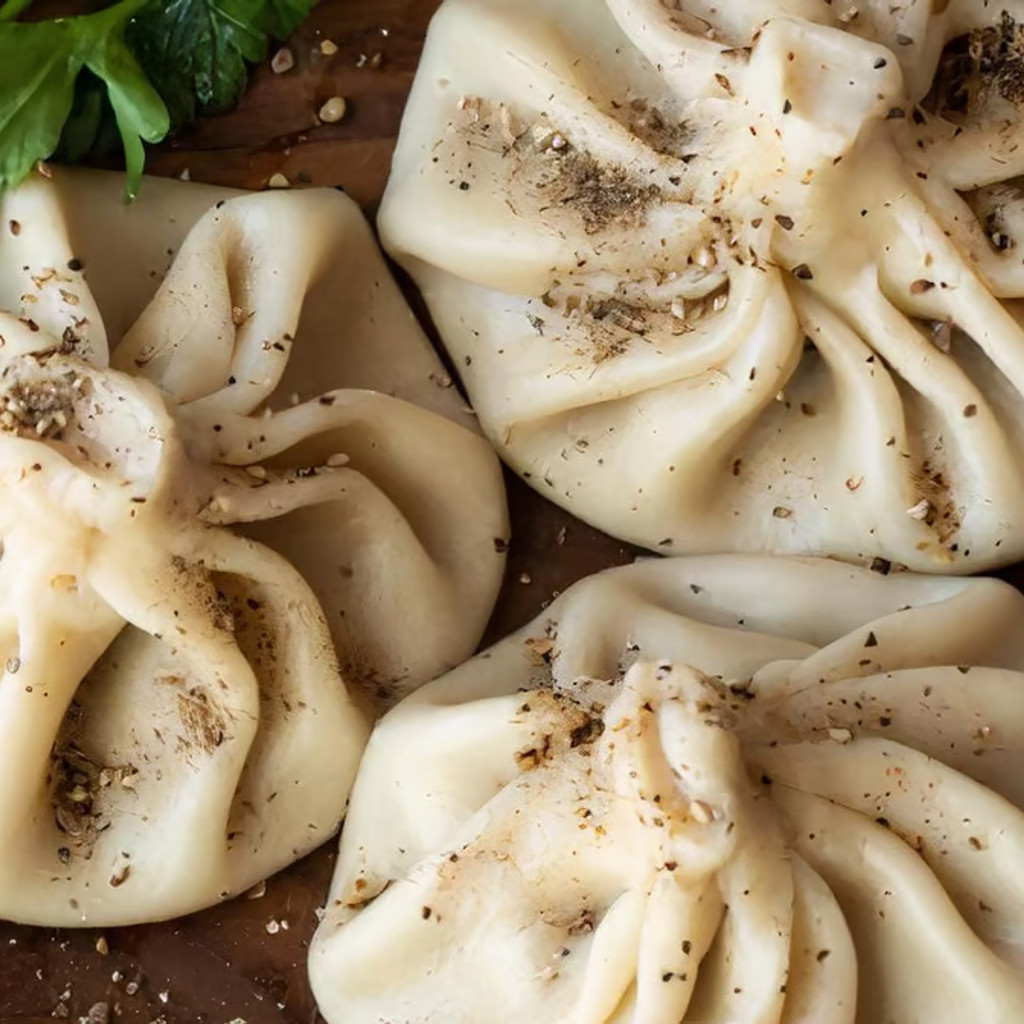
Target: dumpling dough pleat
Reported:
[(178, 704), (917, 959), (822, 982), (733, 276), (816, 821)]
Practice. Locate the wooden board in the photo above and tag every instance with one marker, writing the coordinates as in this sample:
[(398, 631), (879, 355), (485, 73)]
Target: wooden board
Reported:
[(276, 130), (223, 964)]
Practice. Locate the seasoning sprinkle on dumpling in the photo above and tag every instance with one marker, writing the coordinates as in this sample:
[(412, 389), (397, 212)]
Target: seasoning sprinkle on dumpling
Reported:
[(734, 788), (665, 230), (206, 588)]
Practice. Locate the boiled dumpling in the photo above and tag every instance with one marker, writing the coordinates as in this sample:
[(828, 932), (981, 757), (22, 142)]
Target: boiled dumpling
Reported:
[(734, 276), (206, 584), (699, 790)]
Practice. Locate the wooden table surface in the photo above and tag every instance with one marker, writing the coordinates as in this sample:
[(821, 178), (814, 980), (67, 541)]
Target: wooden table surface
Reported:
[(222, 965)]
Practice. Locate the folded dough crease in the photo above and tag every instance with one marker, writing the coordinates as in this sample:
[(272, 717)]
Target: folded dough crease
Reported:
[(206, 586), (734, 276), (699, 789)]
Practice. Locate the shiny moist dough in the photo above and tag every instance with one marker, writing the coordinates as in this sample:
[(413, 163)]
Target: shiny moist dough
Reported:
[(734, 276), (699, 790), (239, 511)]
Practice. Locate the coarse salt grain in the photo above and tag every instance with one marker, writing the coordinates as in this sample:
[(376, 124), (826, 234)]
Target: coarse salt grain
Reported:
[(282, 61), (701, 812), (920, 510), (333, 110)]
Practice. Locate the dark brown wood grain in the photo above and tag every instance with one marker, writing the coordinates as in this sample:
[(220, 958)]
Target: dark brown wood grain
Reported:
[(276, 130), (224, 964)]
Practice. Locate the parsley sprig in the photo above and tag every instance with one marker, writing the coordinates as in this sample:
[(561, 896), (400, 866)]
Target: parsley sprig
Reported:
[(132, 72)]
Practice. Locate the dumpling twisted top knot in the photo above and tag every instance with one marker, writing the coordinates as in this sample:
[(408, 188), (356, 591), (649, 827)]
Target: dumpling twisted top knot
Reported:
[(167, 679), (699, 790), (734, 276)]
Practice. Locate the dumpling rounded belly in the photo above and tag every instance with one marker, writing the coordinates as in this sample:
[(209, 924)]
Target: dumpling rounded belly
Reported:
[(722, 280), (699, 789), (187, 685)]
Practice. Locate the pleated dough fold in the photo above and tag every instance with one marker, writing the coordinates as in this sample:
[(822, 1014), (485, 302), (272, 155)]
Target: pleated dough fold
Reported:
[(731, 789), (734, 276), (238, 513)]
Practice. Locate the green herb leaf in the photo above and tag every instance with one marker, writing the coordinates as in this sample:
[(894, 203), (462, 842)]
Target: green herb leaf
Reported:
[(281, 17), (90, 105), (141, 114), (39, 65), (132, 70), (10, 9), (195, 51)]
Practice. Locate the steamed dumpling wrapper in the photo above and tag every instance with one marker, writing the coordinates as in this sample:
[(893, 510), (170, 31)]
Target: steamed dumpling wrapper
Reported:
[(699, 790), (214, 550), (734, 276)]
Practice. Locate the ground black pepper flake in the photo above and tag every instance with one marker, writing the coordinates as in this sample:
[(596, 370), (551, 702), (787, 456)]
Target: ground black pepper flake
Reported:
[(802, 272), (425, 913), (872, 640), (784, 222), (787, 107)]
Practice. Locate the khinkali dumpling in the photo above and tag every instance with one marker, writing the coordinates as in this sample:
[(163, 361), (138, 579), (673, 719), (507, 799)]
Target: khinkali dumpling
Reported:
[(735, 275), (179, 710), (718, 790)]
